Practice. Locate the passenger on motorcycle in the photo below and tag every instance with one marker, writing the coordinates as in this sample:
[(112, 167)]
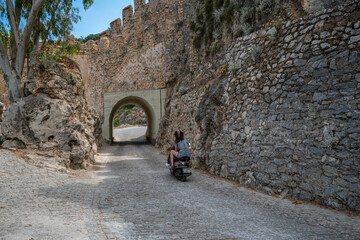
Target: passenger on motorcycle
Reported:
[(181, 147)]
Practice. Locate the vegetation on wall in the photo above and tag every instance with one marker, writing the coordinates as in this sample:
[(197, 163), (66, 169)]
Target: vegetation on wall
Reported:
[(93, 37), (220, 19), (58, 51)]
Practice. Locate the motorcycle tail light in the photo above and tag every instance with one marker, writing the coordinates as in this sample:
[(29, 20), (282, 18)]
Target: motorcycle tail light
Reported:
[(187, 164)]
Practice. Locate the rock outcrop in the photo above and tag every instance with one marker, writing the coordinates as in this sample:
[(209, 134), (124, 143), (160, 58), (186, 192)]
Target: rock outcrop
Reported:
[(132, 116), (54, 115)]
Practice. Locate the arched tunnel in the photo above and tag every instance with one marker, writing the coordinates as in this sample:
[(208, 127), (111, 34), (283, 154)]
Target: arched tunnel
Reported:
[(151, 101)]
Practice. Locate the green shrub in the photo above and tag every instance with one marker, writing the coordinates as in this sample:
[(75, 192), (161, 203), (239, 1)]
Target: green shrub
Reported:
[(228, 14), (238, 7), (256, 51), (331, 142), (234, 66), (182, 90), (273, 34), (218, 14), (215, 49), (219, 3), (303, 13), (200, 18), (312, 111), (264, 6), (197, 42), (246, 14), (246, 28), (93, 37), (193, 26), (58, 51), (208, 9), (74, 80), (316, 6)]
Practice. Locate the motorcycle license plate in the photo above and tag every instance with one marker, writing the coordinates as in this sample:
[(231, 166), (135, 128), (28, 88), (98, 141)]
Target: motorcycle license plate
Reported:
[(186, 170)]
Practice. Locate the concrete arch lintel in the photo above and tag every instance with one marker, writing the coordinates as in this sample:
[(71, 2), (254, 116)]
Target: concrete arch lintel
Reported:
[(151, 101)]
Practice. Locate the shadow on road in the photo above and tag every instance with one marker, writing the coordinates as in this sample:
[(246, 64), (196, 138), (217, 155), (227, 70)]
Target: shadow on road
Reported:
[(123, 143)]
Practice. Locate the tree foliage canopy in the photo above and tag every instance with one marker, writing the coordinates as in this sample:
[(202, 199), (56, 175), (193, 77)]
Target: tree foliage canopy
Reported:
[(25, 27), (94, 37)]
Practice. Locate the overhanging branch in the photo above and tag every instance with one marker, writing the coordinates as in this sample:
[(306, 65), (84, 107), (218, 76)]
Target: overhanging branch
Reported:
[(21, 50), (12, 20), (31, 20)]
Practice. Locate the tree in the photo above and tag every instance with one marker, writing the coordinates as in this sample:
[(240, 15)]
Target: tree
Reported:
[(25, 27), (94, 37)]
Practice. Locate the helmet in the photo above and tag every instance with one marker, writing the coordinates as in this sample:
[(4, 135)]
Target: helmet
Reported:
[(178, 133)]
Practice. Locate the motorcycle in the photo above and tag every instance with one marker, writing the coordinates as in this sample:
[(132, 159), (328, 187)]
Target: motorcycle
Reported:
[(181, 169)]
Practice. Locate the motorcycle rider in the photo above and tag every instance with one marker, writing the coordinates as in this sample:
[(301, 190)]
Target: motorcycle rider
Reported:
[(170, 148), (181, 147)]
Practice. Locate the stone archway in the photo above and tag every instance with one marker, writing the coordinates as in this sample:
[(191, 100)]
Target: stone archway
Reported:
[(151, 101)]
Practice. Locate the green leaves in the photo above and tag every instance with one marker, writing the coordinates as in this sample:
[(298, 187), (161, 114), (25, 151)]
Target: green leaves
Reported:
[(56, 51), (94, 37), (55, 18), (87, 4)]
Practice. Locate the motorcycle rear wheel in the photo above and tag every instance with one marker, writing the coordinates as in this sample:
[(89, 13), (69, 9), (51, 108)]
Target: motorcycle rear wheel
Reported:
[(183, 179)]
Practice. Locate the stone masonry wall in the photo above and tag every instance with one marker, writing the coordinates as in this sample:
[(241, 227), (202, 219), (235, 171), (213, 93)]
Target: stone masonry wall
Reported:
[(279, 116)]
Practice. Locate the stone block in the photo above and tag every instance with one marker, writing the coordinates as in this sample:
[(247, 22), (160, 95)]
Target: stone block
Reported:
[(354, 39), (299, 62), (354, 57), (116, 26), (320, 64), (330, 171), (139, 5), (355, 187), (318, 97)]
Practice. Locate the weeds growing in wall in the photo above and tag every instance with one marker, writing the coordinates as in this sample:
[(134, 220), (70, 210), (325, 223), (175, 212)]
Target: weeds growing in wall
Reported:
[(58, 51), (220, 19)]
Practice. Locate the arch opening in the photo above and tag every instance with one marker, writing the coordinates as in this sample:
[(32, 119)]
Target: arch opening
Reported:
[(148, 130), (129, 124)]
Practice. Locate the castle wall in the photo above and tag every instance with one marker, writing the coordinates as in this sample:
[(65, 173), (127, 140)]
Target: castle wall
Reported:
[(277, 111), (135, 54), (281, 116)]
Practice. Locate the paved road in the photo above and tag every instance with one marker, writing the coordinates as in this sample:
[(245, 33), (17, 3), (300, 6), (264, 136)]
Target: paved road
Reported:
[(130, 134), (131, 195)]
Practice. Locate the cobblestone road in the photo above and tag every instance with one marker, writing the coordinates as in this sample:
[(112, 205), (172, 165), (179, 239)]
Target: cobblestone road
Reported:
[(131, 195)]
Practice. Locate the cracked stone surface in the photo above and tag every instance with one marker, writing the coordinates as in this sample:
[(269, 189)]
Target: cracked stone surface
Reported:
[(130, 194)]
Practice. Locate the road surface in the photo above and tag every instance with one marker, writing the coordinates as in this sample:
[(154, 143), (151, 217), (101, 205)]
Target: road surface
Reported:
[(130, 134), (130, 194)]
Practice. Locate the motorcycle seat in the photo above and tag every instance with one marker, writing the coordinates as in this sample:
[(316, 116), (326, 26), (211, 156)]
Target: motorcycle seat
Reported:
[(184, 159)]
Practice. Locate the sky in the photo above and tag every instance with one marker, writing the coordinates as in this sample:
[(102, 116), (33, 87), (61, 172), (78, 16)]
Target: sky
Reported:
[(99, 16)]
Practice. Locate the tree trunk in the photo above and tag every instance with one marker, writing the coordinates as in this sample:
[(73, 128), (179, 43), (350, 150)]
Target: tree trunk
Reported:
[(13, 70), (14, 87)]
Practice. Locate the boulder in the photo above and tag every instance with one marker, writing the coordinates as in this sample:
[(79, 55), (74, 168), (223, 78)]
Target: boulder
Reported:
[(54, 115)]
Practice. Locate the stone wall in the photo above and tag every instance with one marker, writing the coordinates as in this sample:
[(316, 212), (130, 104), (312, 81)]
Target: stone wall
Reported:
[(283, 115), (277, 110)]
